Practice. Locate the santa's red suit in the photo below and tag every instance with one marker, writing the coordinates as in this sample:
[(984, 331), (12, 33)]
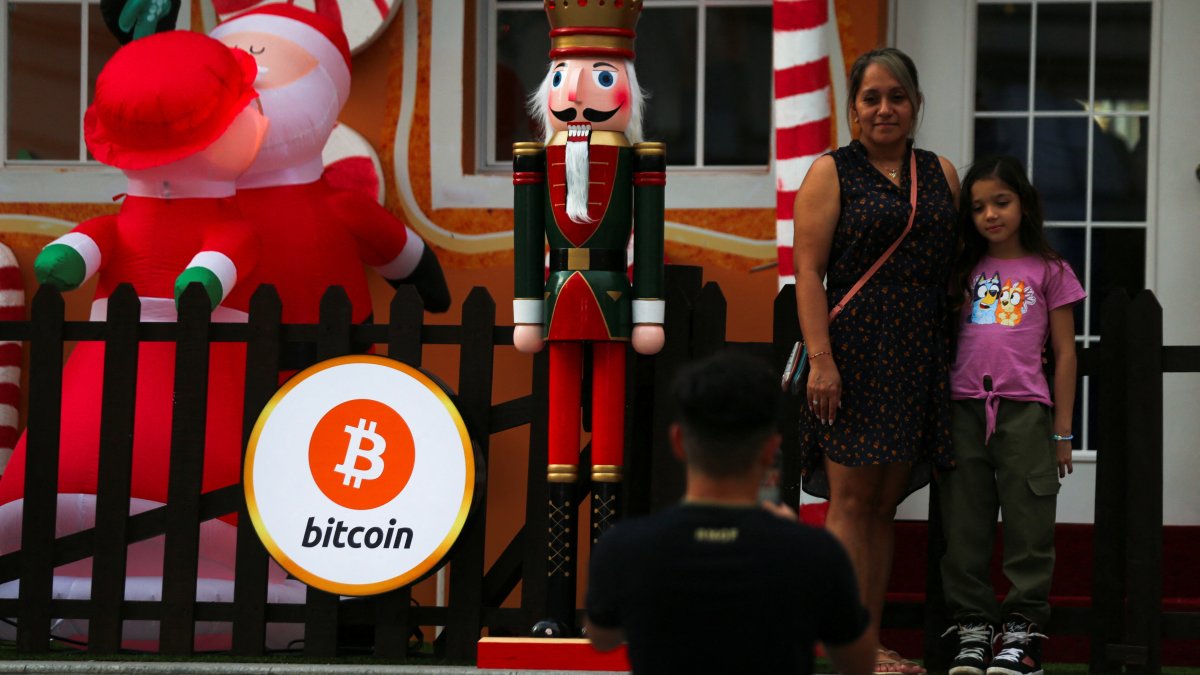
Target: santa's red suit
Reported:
[(133, 247), (329, 235)]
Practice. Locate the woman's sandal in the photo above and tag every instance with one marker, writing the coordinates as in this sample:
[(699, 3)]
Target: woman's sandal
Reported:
[(890, 661)]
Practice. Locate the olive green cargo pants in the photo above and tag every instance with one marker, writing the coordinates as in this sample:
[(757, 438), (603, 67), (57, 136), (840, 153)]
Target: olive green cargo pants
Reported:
[(1016, 474)]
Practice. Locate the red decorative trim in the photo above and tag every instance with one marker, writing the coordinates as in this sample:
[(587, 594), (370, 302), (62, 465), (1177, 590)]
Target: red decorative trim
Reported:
[(568, 52), (650, 178), (592, 30), (528, 177)]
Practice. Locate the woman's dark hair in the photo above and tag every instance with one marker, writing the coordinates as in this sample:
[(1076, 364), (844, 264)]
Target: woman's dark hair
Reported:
[(973, 246), (899, 64)]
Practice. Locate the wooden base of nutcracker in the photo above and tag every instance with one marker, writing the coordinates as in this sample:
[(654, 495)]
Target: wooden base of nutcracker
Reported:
[(534, 654)]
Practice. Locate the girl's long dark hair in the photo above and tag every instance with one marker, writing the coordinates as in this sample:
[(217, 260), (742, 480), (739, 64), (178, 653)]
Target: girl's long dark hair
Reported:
[(973, 246)]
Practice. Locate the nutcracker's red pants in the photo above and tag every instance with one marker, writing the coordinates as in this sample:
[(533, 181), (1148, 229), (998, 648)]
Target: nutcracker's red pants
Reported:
[(608, 402)]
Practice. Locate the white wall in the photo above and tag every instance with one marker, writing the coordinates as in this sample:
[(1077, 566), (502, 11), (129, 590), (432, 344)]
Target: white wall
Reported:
[(1176, 246)]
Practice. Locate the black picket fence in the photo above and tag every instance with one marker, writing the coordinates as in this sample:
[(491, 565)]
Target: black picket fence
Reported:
[(1125, 621)]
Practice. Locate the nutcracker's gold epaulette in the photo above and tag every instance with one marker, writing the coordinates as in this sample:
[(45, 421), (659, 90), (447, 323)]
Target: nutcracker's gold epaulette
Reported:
[(649, 148), (526, 148)]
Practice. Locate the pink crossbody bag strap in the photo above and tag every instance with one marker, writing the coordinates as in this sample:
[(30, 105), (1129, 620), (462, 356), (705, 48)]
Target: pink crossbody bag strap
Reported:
[(912, 214)]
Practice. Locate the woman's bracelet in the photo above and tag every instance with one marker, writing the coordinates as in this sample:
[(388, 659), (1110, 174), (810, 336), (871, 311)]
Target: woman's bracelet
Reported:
[(824, 353), (1062, 437)]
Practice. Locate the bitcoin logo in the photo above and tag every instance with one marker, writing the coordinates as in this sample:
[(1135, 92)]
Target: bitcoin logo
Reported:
[(348, 467), (361, 454)]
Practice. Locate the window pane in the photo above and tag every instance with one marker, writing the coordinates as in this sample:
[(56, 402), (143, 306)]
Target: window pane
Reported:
[(1123, 56), (1002, 137), (1119, 169), (1071, 244), (101, 46), (1118, 261), (666, 68), (737, 86), (1002, 58), (1060, 166), (1062, 56), (43, 94), (522, 45)]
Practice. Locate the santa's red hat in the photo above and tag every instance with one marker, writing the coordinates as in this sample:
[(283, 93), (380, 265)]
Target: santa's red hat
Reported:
[(315, 33), (165, 97)]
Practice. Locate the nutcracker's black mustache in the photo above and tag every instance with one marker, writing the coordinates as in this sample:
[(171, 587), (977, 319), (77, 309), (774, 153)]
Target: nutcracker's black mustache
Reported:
[(589, 114)]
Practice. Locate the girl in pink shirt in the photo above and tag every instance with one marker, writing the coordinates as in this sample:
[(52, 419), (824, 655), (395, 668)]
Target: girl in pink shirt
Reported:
[(1012, 438)]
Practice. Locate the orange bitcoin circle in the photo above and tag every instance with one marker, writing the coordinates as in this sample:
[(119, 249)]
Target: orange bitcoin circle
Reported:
[(361, 454)]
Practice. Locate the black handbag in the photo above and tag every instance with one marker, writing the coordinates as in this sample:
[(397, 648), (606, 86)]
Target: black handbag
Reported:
[(795, 371)]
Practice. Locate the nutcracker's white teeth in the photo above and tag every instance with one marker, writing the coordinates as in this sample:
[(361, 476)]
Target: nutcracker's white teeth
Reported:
[(579, 132)]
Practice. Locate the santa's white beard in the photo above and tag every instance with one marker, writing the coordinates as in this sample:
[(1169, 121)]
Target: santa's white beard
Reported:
[(577, 157), (302, 115)]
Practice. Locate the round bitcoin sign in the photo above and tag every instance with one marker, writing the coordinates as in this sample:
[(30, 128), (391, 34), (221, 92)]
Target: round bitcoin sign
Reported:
[(359, 475)]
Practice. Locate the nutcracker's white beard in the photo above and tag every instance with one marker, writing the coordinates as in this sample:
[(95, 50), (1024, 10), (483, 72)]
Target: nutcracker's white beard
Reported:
[(577, 156)]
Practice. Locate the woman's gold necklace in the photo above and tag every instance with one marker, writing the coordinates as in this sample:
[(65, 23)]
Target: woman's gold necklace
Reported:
[(892, 173)]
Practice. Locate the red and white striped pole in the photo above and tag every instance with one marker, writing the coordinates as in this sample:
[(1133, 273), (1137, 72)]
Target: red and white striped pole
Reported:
[(12, 308), (802, 108)]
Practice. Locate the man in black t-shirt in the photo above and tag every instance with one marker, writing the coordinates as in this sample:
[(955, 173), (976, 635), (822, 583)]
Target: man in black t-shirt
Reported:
[(719, 584)]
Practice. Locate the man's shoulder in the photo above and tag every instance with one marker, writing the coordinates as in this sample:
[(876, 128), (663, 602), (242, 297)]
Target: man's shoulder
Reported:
[(658, 528), (714, 522)]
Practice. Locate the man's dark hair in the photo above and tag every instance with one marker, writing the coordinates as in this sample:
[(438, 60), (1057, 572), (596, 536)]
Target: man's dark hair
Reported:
[(726, 405)]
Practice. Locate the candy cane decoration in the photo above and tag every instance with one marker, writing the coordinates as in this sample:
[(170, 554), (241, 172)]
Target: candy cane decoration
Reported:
[(12, 308), (802, 115)]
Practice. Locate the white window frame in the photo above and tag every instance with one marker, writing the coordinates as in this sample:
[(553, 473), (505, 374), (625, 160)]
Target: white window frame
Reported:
[(58, 181), (692, 187), (1086, 338)]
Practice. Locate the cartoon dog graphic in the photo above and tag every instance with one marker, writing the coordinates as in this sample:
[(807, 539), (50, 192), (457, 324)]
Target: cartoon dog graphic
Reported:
[(987, 292), (1015, 300)]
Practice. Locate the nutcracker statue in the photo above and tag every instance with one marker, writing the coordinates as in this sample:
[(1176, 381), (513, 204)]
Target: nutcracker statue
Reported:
[(584, 190)]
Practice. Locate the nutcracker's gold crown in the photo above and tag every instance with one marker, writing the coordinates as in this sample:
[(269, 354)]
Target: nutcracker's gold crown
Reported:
[(592, 27)]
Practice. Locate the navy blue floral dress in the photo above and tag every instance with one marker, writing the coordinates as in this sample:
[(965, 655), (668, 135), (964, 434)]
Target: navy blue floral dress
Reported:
[(890, 341)]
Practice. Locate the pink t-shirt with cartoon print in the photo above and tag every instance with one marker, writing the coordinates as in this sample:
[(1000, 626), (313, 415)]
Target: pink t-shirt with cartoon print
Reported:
[(1005, 325)]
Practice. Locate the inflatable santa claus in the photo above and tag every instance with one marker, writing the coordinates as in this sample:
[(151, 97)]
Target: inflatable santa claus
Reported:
[(176, 112), (315, 235)]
